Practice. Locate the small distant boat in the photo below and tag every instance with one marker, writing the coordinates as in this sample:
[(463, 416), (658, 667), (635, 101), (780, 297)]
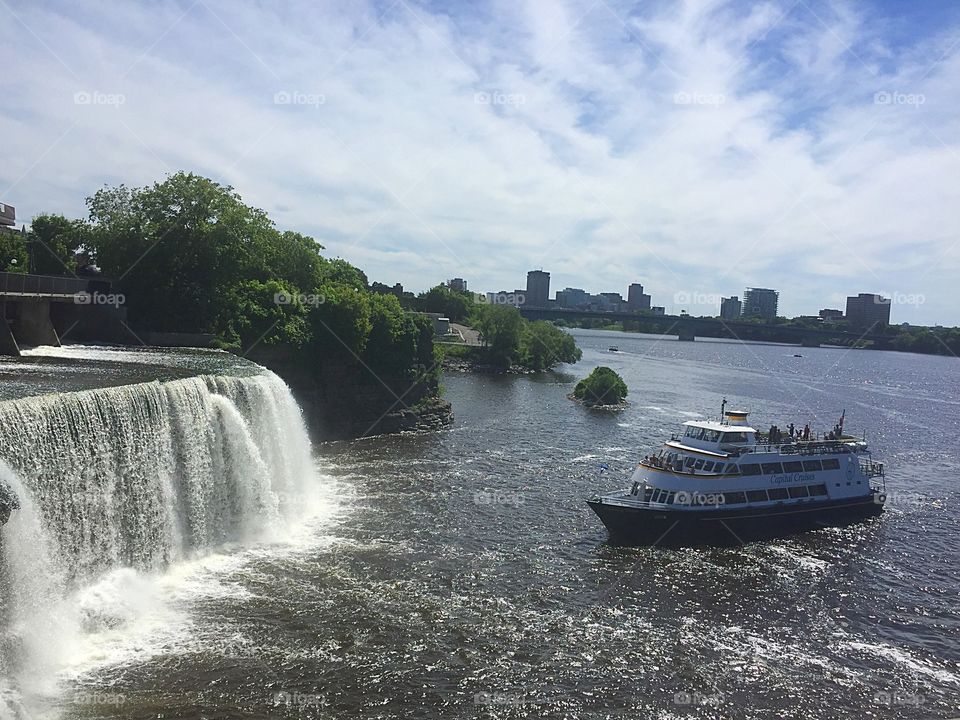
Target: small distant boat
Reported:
[(613, 348), (797, 355), (721, 482)]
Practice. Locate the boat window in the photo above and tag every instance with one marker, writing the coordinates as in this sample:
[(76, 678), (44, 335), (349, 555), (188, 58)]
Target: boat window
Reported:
[(670, 496), (749, 469), (734, 437), (831, 464), (818, 490), (793, 466), (734, 498), (689, 462), (757, 495), (798, 491), (690, 431), (771, 468), (698, 464), (809, 465), (708, 466), (712, 435), (732, 469), (777, 493)]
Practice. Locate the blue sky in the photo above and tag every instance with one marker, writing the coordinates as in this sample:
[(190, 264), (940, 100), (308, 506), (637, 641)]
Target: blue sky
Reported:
[(698, 148)]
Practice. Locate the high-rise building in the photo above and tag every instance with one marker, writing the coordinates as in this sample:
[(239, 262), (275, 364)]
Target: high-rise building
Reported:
[(636, 298), (867, 309), (538, 288), (8, 215), (829, 314), (730, 308), (457, 285), (572, 297), (761, 303)]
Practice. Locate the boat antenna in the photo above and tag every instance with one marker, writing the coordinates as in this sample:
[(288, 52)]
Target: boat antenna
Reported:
[(723, 406)]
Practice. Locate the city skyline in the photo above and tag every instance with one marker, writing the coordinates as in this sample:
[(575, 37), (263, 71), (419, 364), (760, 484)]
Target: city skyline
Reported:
[(862, 308)]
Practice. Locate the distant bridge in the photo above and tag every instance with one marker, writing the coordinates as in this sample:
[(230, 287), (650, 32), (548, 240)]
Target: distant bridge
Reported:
[(40, 309), (688, 328)]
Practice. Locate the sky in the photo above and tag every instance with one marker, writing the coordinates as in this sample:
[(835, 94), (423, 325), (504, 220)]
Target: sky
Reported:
[(698, 148)]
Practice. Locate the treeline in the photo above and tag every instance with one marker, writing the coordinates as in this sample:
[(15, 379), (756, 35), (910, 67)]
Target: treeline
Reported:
[(509, 340), (910, 338), (190, 256)]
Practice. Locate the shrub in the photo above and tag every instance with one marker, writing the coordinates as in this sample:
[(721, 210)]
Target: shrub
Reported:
[(600, 388)]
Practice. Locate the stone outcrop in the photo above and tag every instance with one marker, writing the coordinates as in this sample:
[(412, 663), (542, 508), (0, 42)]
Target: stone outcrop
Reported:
[(344, 400)]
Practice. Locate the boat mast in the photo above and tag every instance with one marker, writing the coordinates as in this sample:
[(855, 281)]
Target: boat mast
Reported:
[(723, 406)]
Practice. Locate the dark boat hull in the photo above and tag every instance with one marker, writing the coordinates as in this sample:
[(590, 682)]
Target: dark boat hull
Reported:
[(721, 526)]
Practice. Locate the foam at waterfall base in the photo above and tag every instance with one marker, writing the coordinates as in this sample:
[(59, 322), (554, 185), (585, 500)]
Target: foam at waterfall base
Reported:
[(135, 499)]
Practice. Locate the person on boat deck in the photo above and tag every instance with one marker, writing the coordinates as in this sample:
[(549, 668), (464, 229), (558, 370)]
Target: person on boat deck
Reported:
[(806, 432), (790, 429)]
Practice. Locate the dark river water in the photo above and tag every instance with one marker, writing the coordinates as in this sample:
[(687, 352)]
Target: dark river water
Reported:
[(460, 574)]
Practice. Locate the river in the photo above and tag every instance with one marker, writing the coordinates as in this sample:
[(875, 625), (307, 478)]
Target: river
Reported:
[(459, 574)]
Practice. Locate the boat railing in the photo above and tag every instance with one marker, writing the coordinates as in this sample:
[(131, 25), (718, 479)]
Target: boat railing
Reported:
[(803, 447), (871, 468)]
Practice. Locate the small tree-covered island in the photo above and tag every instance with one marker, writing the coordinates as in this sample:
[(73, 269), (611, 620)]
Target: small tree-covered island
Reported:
[(602, 388)]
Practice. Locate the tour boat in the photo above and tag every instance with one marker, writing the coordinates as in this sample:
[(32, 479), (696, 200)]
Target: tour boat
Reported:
[(723, 482)]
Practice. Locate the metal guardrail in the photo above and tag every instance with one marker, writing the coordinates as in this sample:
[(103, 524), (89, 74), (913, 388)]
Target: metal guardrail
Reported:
[(18, 283)]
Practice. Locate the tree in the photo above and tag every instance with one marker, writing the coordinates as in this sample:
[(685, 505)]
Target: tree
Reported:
[(449, 303), (13, 252), (55, 241), (543, 346), (500, 327), (602, 387), (190, 256)]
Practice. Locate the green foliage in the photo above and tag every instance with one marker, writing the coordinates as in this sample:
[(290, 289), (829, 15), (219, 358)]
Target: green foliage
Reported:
[(509, 339), (440, 299), (543, 345), (398, 342), (341, 324), (601, 387), (500, 328), (341, 272), (55, 241), (13, 252), (939, 340), (258, 317), (191, 256)]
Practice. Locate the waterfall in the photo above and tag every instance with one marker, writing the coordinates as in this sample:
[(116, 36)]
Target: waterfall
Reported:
[(139, 477)]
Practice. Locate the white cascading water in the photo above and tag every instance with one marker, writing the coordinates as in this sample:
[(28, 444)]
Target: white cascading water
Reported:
[(129, 479)]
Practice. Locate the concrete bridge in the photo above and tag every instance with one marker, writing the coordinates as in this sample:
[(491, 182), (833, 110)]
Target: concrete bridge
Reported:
[(40, 309), (688, 328)]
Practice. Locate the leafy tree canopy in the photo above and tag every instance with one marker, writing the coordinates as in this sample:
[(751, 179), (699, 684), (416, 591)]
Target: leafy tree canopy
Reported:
[(601, 387)]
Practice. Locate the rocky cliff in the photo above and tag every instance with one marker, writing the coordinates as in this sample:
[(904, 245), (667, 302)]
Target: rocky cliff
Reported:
[(343, 399)]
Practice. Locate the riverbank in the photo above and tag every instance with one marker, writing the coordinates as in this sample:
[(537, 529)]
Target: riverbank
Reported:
[(465, 364)]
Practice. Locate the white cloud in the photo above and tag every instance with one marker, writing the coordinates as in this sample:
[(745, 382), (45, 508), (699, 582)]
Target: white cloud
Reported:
[(699, 148)]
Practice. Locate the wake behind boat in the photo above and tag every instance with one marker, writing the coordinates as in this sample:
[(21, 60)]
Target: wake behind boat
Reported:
[(724, 482)]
